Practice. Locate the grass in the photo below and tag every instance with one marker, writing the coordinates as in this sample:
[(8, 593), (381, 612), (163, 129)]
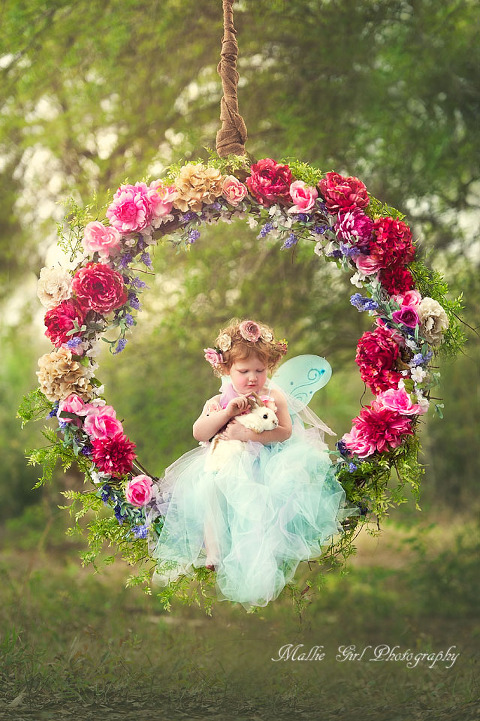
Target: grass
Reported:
[(77, 644)]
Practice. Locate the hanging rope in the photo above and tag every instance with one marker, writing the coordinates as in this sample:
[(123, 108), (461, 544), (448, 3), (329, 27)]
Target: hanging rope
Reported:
[(232, 135)]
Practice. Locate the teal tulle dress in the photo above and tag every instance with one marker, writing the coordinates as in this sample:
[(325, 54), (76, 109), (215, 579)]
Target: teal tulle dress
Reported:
[(271, 507)]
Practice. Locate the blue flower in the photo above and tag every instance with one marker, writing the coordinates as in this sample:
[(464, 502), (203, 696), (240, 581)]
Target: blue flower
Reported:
[(125, 260), (187, 217), (138, 283), (140, 531), (105, 493), (129, 319), (419, 359), (320, 229), (146, 260), (348, 251), (120, 345), (361, 303), (352, 467), (342, 448), (73, 343), (193, 235), (54, 410), (118, 513), (291, 240), (133, 301), (267, 228)]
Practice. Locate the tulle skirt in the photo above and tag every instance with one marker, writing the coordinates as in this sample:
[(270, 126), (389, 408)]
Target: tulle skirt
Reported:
[(271, 507)]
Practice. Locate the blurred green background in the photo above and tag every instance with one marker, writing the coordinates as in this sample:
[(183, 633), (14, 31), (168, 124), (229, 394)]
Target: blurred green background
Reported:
[(94, 93)]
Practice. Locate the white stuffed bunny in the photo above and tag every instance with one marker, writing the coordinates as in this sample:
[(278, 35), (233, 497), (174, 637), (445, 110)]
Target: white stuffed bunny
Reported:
[(259, 419)]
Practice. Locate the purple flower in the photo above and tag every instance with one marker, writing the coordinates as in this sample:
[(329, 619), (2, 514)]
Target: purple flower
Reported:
[(54, 410), (419, 359), (361, 303), (138, 283), (352, 467), (141, 244), (120, 345), (133, 301), (118, 513), (73, 343), (267, 228), (146, 260), (140, 531), (105, 493), (86, 451), (291, 240), (354, 226), (342, 448), (303, 217), (125, 260), (320, 229), (322, 206), (187, 217), (129, 319), (348, 251), (193, 235)]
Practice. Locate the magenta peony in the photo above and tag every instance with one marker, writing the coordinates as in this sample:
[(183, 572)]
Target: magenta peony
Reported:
[(61, 319), (353, 226), (139, 490), (131, 209), (270, 182), (377, 430), (113, 455), (376, 357), (98, 287), (342, 193)]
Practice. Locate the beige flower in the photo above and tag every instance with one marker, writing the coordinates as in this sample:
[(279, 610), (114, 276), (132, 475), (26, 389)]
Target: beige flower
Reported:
[(54, 285), (197, 185), (266, 335), (60, 375), (224, 342), (433, 320)]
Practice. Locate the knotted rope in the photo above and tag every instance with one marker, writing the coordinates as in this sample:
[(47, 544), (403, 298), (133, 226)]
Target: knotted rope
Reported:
[(232, 135)]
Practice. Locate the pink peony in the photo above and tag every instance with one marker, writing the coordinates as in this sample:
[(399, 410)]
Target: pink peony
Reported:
[(102, 422), (131, 209), (233, 190), (213, 357), (270, 182), (61, 320), (98, 287), (98, 238), (376, 356), (249, 330), (113, 455), (397, 400), (303, 196), (377, 429), (396, 279), (391, 243), (406, 315), (160, 198), (410, 297), (342, 193), (353, 226), (139, 490), (366, 264)]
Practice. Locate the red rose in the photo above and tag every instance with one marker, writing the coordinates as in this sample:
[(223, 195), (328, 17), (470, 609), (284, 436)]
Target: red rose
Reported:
[(376, 355), (342, 193), (100, 288), (270, 181), (113, 455), (60, 320), (391, 243), (396, 279)]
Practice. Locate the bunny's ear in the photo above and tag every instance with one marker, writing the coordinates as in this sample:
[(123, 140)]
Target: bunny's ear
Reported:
[(255, 400)]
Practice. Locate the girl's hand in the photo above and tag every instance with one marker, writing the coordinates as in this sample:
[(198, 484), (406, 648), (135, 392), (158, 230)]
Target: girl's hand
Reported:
[(235, 431), (237, 405)]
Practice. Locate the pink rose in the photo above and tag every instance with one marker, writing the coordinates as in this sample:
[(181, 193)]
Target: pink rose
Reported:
[(130, 210), (102, 423), (233, 190), (98, 287), (410, 297), (213, 357), (270, 182), (250, 331), (407, 315), (72, 404), (160, 198), (303, 196), (366, 264), (62, 319), (342, 193), (101, 239), (139, 491), (397, 400)]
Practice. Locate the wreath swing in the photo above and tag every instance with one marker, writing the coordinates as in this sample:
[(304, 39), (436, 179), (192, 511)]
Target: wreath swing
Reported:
[(288, 202)]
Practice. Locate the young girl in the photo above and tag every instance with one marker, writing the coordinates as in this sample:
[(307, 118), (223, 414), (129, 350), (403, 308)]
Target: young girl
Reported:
[(270, 507)]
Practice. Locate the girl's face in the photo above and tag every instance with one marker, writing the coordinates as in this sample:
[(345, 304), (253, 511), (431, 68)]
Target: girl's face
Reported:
[(248, 375)]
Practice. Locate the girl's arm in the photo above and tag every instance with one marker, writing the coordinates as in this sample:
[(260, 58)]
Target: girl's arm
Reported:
[(237, 432), (213, 417)]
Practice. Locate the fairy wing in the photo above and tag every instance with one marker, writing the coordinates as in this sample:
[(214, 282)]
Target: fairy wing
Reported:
[(301, 377)]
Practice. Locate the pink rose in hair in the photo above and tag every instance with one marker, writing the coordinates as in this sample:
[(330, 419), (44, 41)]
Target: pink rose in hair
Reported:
[(233, 190), (303, 196), (249, 330), (101, 239), (213, 357), (102, 423), (139, 490)]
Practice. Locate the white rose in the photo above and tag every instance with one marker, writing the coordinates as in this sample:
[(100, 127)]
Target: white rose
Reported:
[(54, 285), (433, 320), (418, 374)]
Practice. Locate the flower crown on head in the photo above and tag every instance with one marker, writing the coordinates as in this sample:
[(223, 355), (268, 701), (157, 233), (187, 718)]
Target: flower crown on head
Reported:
[(249, 331)]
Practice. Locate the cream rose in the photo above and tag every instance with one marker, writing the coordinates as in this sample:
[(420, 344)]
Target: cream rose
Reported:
[(54, 285), (433, 320)]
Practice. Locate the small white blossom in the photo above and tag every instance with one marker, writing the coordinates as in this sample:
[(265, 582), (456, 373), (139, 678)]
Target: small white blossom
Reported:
[(418, 374), (252, 222), (357, 280), (410, 343), (318, 250), (422, 401), (273, 210)]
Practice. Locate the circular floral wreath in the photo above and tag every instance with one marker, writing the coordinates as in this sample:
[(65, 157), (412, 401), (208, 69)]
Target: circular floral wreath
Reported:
[(290, 203)]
